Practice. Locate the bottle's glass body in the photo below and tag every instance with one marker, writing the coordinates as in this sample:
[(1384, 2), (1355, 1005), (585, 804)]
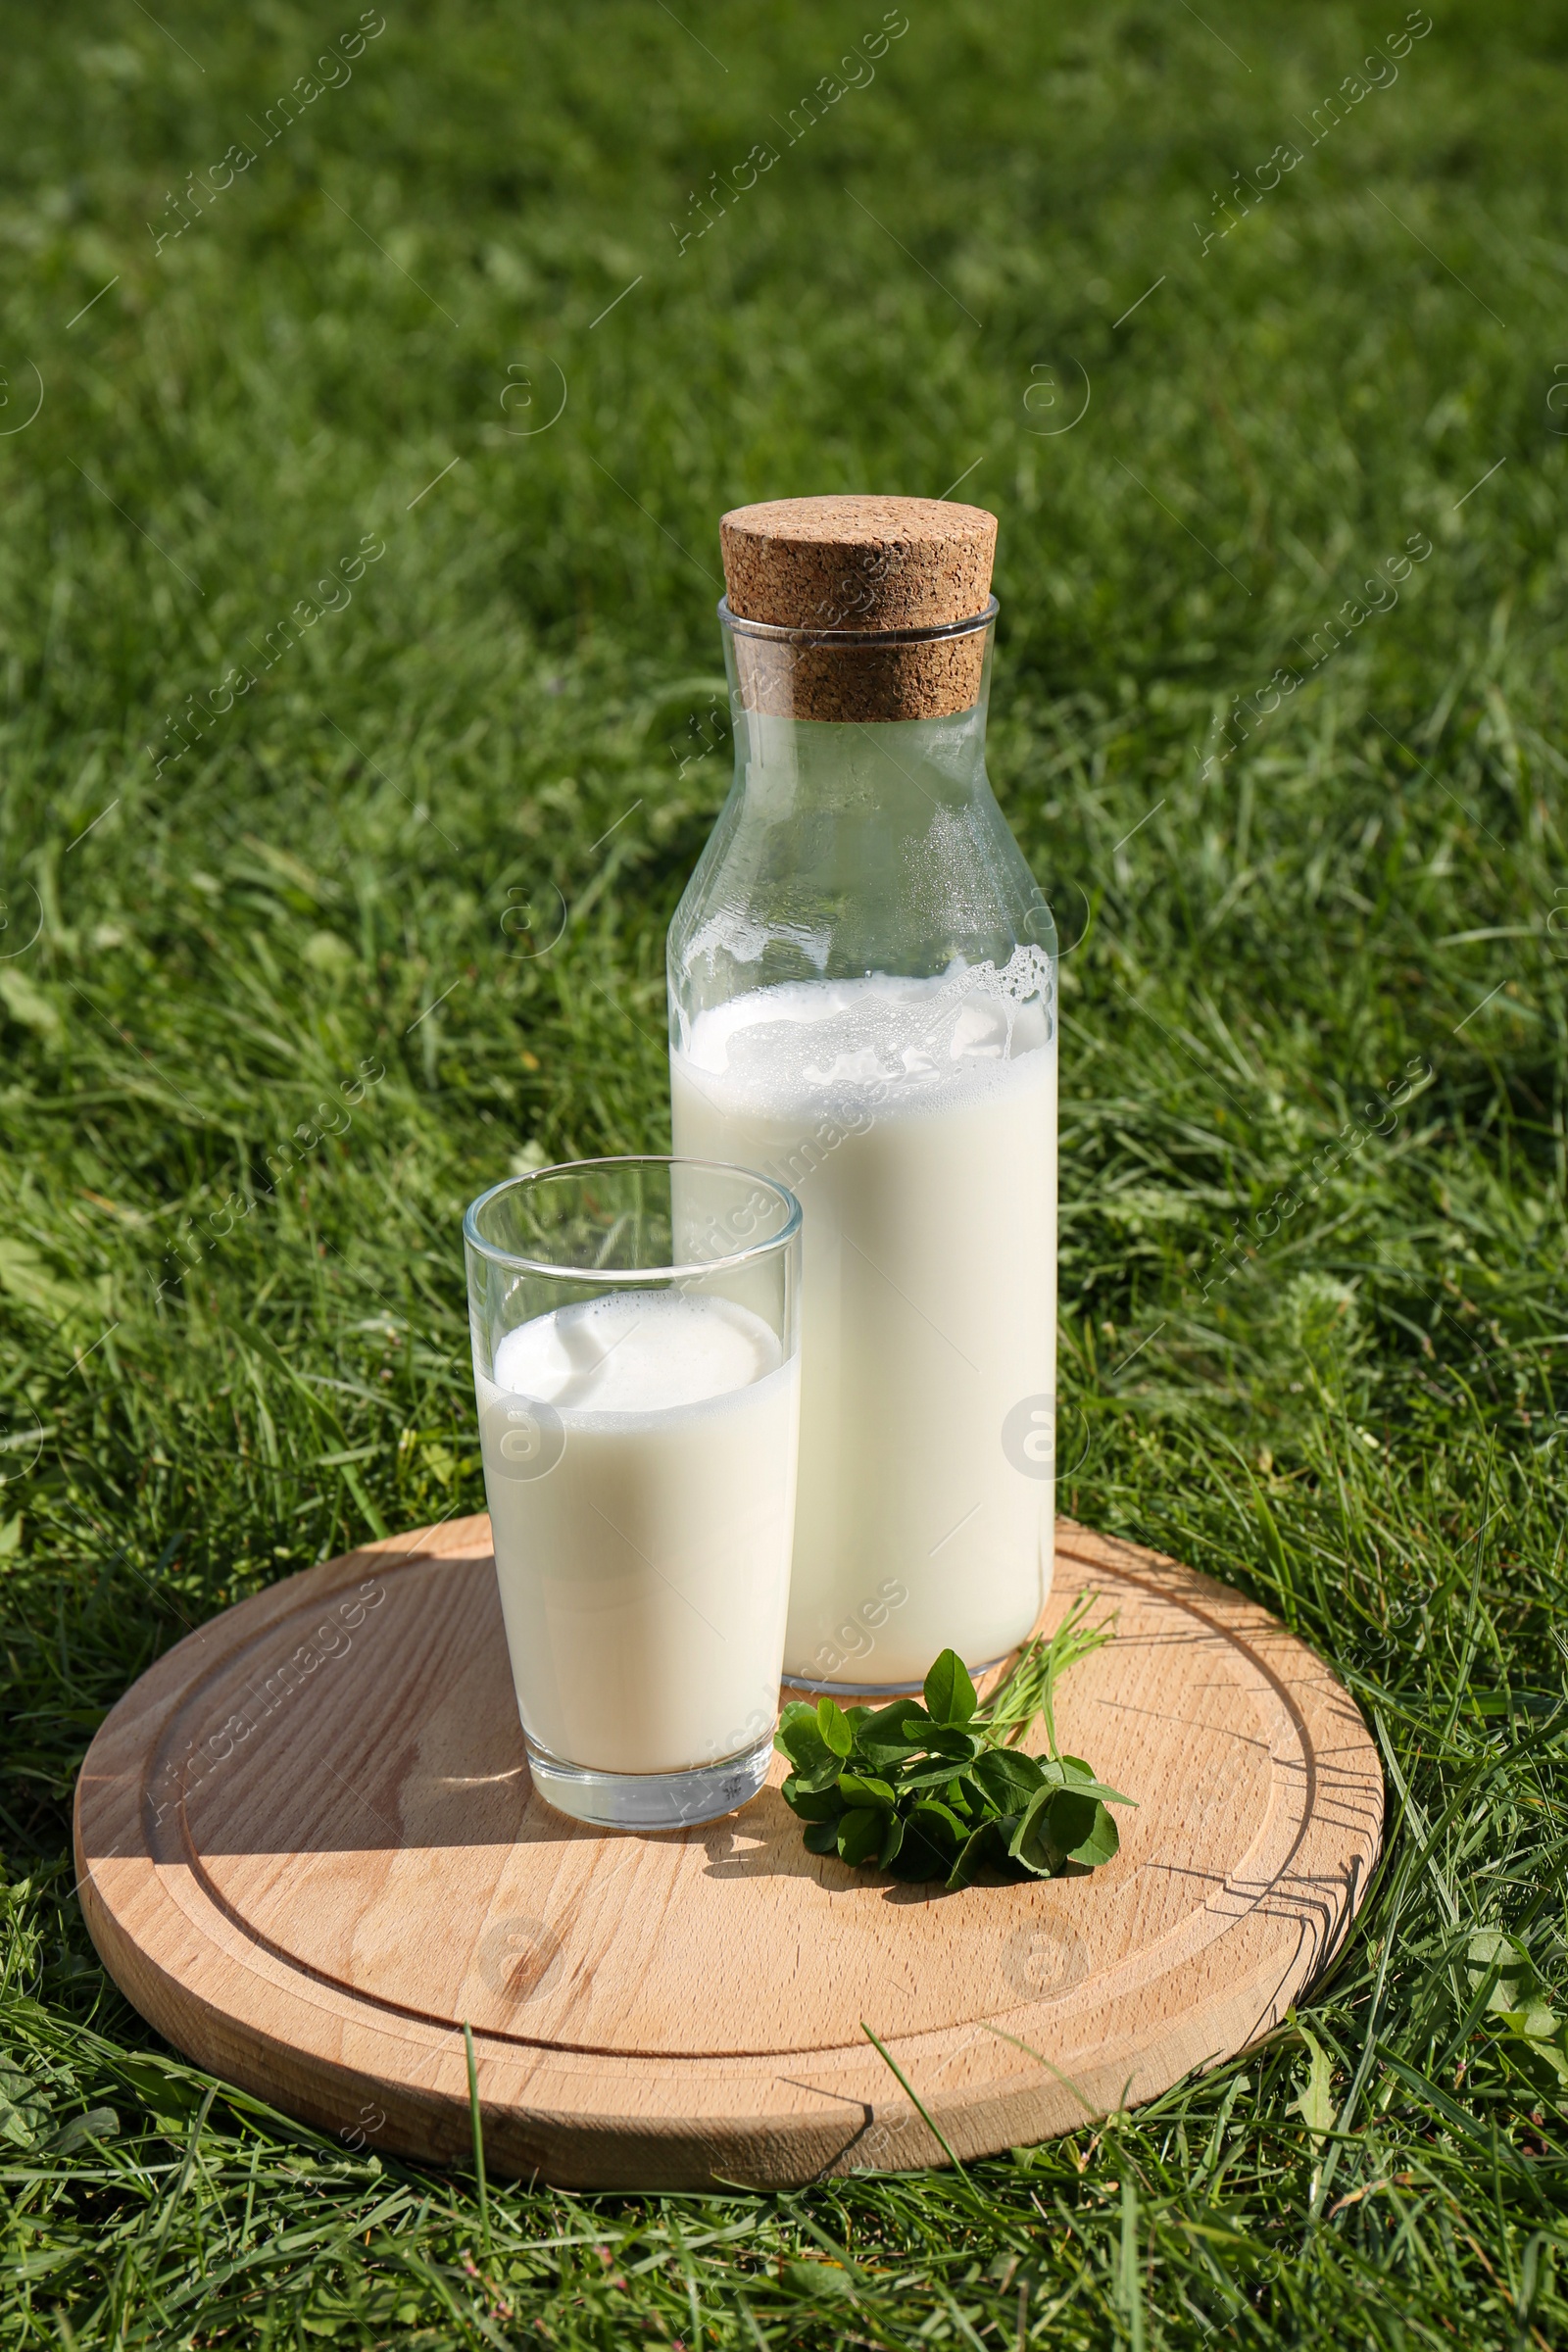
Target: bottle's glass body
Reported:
[(862, 997)]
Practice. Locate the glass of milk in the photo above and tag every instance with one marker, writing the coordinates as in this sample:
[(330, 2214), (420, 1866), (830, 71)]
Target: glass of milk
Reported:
[(636, 1361), (863, 1003)]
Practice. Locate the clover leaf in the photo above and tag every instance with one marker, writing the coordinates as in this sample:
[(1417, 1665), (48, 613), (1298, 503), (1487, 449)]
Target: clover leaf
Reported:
[(944, 1792), (950, 1696), (834, 1727)]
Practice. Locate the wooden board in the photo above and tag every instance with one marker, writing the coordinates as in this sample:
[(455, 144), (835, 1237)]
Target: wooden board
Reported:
[(308, 1849)]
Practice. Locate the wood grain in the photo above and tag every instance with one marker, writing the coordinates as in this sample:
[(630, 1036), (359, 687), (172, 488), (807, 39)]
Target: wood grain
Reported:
[(309, 1850)]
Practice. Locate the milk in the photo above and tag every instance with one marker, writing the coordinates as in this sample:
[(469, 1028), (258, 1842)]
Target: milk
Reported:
[(916, 1122), (639, 1465)]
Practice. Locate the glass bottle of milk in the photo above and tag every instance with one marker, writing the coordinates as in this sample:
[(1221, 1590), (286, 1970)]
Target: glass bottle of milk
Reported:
[(862, 1003)]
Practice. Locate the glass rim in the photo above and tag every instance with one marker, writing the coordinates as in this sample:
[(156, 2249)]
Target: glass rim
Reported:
[(841, 639), (516, 1262)]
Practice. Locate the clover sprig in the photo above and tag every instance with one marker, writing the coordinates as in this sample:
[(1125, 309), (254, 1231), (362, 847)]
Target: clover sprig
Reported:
[(944, 1792)]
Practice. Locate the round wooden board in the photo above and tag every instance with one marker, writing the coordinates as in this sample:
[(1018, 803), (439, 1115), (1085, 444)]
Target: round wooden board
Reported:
[(308, 1849)]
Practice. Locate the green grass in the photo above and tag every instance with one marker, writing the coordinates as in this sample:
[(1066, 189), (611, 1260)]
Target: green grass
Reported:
[(1364, 1426)]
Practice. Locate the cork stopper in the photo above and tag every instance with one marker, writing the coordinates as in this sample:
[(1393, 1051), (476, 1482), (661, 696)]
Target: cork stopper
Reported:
[(859, 566)]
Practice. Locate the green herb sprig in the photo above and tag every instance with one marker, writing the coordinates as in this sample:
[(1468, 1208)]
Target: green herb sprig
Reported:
[(944, 1792)]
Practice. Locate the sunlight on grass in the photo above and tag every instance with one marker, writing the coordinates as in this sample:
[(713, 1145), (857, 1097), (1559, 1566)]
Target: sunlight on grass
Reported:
[(334, 886)]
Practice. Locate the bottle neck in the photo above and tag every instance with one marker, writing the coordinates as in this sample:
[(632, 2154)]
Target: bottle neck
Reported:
[(862, 837), (906, 769)]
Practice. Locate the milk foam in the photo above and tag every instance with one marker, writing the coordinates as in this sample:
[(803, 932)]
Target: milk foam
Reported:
[(913, 1043), (636, 1352)]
